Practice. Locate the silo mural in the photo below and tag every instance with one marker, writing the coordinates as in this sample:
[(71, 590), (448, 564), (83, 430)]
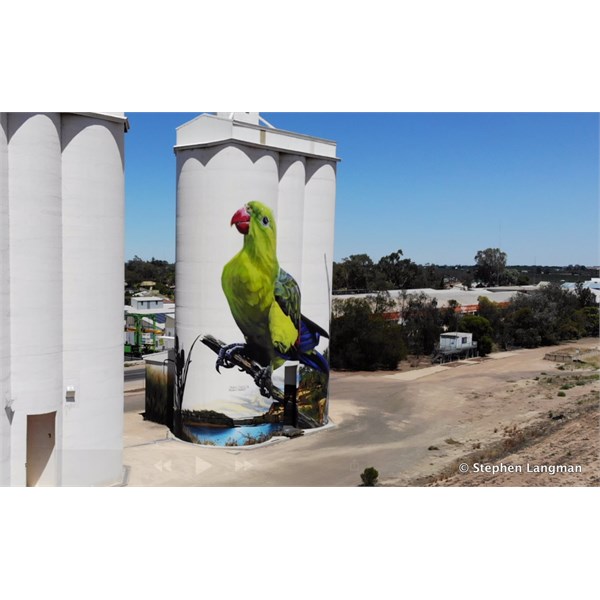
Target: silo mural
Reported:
[(251, 347)]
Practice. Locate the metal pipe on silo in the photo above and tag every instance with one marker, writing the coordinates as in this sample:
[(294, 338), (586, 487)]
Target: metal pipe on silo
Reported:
[(34, 168), (5, 392), (93, 201)]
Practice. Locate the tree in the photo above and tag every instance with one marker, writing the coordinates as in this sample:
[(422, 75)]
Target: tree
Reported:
[(359, 272), (403, 273), (545, 317), (450, 316), (355, 272), (588, 320), (485, 345), (481, 329), (422, 323), (585, 296), (339, 278), (489, 265), (362, 338), (383, 303), (161, 272), (400, 272), (508, 277), (428, 276), (494, 313)]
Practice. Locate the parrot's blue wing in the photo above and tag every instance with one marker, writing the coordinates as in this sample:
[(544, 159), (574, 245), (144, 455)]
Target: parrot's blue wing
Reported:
[(287, 295)]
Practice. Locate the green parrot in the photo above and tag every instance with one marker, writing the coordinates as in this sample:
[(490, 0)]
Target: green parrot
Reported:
[(265, 301)]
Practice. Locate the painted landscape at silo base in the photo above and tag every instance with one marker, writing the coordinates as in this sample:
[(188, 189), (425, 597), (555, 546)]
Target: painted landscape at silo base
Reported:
[(159, 387), (250, 402)]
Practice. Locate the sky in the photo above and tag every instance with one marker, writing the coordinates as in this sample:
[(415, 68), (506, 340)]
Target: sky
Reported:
[(438, 186)]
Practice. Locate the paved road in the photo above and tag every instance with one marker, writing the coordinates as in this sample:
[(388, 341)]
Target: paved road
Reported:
[(135, 380), (134, 374)]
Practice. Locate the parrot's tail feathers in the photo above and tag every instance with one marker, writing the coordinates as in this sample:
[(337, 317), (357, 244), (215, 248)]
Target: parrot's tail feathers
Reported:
[(313, 327), (314, 360), (309, 337)]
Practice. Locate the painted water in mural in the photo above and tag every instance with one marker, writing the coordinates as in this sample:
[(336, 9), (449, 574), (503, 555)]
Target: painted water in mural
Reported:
[(242, 435)]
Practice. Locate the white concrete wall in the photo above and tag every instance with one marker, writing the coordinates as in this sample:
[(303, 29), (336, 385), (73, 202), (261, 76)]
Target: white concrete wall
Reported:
[(5, 392), (93, 203), (35, 239)]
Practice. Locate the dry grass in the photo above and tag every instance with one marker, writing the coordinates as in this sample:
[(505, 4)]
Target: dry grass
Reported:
[(452, 442), (514, 439)]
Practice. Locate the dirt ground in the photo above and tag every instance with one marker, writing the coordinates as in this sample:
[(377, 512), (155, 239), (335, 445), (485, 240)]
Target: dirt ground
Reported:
[(548, 431), (415, 427), (574, 443), (560, 446)]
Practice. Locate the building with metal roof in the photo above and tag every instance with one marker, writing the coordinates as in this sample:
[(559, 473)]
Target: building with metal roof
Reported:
[(468, 299)]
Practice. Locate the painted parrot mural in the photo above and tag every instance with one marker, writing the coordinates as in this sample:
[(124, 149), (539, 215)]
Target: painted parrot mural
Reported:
[(265, 302)]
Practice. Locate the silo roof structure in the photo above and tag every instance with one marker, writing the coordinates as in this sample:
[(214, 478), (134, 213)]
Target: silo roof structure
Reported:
[(208, 129)]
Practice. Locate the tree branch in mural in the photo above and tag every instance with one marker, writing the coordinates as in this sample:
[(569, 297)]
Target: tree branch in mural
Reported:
[(236, 358), (265, 303)]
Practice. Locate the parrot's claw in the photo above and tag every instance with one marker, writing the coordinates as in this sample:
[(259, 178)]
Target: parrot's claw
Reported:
[(263, 381), (224, 358)]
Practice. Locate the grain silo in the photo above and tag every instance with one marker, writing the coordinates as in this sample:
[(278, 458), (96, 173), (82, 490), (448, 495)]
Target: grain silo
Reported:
[(233, 168), (61, 219), (93, 207)]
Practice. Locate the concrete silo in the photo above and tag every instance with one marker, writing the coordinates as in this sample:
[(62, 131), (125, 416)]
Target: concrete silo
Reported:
[(231, 162), (62, 423), (93, 203), (36, 316)]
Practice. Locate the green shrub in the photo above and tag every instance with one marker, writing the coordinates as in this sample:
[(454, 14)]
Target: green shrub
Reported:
[(369, 476), (561, 394), (485, 345)]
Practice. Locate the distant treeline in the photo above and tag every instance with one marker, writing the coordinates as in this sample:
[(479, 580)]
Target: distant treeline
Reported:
[(359, 273)]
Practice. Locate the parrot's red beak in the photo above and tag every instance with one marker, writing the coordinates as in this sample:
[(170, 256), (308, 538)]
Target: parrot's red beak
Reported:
[(241, 220)]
